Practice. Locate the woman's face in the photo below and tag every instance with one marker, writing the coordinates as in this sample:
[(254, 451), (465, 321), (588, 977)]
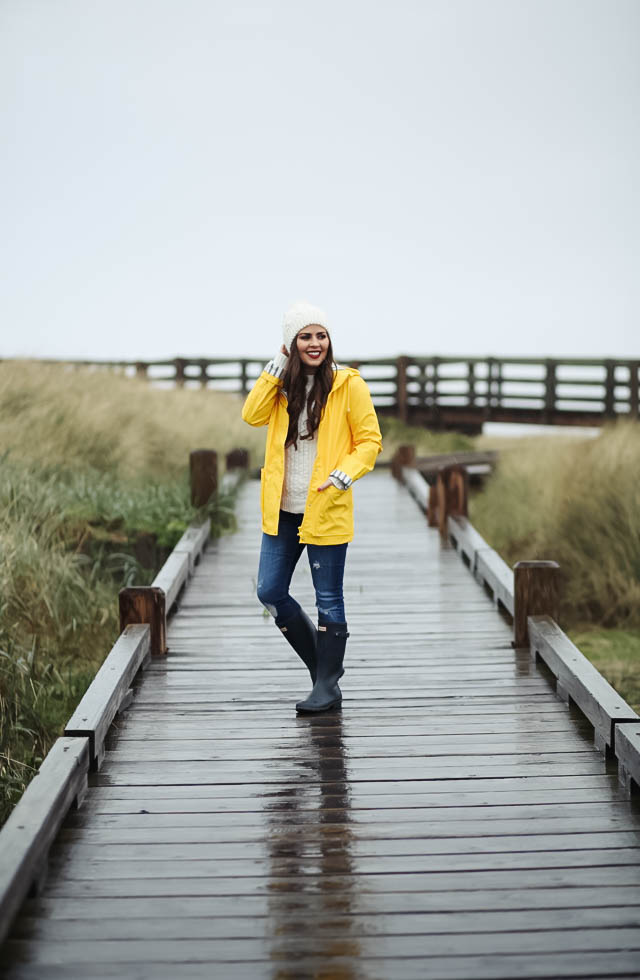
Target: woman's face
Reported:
[(312, 343)]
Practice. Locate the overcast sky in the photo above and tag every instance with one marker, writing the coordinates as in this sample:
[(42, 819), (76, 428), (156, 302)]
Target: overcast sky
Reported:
[(444, 176)]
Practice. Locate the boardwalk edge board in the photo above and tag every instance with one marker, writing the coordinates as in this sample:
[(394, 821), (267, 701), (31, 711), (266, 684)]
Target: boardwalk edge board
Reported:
[(60, 783), (62, 779), (192, 542), (104, 696), (483, 561), (578, 682), (417, 486)]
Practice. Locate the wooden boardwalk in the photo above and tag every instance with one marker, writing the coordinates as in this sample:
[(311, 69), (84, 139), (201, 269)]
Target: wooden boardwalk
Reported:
[(454, 820)]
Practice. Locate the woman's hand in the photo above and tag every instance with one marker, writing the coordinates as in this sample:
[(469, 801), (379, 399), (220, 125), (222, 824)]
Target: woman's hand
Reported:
[(323, 486)]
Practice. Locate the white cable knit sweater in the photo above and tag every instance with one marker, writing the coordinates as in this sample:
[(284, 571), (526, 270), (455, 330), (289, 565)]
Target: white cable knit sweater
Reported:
[(298, 464)]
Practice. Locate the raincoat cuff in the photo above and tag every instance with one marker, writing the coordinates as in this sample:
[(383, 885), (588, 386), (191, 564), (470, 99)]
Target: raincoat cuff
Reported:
[(277, 365), (340, 479)]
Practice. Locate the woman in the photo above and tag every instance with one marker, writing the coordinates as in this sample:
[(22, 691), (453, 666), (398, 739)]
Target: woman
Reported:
[(323, 434)]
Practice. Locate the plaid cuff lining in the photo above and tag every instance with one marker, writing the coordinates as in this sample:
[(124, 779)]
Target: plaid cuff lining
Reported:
[(342, 476)]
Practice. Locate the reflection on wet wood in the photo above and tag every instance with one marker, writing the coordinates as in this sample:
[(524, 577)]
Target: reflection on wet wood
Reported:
[(454, 820)]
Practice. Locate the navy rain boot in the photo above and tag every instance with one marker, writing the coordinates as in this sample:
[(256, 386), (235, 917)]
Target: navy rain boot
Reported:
[(300, 632), (332, 640)]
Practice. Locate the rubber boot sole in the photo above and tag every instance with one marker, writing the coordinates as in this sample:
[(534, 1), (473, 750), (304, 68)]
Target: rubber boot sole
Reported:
[(334, 706)]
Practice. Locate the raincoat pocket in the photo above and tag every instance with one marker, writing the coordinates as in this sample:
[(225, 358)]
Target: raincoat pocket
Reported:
[(336, 508)]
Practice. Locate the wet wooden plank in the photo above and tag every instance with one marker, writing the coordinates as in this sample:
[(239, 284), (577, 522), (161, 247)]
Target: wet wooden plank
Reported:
[(174, 861), (228, 950), (598, 966), (570, 898), (452, 922)]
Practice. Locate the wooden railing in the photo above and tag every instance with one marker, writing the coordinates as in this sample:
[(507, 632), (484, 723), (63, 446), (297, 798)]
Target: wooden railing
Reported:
[(61, 782), (446, 392), (528, 594)]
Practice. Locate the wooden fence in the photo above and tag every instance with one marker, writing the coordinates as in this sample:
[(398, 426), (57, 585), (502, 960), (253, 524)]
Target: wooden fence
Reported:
[(446, 392)]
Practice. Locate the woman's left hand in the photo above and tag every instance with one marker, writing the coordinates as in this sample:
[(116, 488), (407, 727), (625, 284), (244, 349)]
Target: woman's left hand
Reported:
[(323, 486)]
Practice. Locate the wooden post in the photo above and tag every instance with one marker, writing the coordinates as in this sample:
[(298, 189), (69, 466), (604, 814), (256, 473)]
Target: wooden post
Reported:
[(403, 456), (203, 469), (535, 594), (204, 364), (471, 382), (422, 386), (432, 506), (550, 391), (402, 399), (141, 370), (452, 494), (497, 386), (145, 604), (610, 386), (243, 378), (435, 366), (180, 363), (237, 459), (634, 368)]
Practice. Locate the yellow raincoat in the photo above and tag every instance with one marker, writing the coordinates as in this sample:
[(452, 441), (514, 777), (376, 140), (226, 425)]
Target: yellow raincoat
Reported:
[(348, 440)]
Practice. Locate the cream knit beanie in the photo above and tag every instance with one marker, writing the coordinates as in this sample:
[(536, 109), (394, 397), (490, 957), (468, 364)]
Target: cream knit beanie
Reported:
[(298, 316)]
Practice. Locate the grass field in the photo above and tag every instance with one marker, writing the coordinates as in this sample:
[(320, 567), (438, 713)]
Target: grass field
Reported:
[(93, 493)]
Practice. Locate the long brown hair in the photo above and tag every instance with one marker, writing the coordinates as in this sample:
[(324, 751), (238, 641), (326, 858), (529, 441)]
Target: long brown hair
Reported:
[(294, 382)]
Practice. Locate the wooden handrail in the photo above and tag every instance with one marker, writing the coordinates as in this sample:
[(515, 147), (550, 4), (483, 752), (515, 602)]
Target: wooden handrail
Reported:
[(444, 391), (529, 594)]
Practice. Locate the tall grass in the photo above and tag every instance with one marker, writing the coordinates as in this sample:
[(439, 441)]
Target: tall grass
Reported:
[(77, 417), (426, 441), (577, 502), (92, 466)]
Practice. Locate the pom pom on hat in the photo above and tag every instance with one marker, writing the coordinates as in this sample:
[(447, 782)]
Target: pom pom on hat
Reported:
[(298, 316)]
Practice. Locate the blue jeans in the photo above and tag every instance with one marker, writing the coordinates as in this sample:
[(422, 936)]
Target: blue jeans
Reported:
[(279, 556)]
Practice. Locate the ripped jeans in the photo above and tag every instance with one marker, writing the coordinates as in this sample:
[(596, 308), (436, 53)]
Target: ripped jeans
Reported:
[(279, 556)]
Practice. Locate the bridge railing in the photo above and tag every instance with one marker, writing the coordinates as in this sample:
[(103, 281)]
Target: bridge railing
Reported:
[(444, 391), (528, 594)]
